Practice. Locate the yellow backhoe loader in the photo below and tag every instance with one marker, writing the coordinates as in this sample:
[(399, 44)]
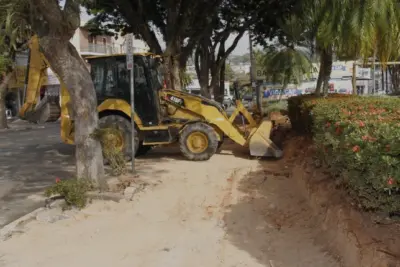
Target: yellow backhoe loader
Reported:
[(41, 102), (163, 116)]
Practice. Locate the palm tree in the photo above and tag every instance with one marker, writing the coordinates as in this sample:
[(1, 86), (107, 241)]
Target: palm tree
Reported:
[(350, 29), (287, 65), (288, 60)]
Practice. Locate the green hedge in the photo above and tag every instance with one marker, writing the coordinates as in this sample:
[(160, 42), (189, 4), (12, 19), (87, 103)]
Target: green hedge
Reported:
[(300, 109), (359, 139)]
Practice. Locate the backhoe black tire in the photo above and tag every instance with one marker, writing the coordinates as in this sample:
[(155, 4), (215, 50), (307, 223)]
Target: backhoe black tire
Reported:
[(204, 130), (124, 125)]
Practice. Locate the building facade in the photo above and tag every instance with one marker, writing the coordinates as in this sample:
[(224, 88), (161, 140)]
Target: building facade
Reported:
[(88, 45)]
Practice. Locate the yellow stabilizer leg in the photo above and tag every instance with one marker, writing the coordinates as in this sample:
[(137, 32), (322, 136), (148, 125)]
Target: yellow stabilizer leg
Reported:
[(260, 145)]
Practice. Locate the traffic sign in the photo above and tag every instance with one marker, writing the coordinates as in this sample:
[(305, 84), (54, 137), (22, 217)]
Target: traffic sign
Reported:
[(129, 51)]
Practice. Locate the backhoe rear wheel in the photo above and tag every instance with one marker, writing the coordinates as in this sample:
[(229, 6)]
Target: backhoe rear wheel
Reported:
[(198, 142), (121, 138)]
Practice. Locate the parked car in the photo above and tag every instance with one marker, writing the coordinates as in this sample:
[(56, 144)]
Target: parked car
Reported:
[(247, 99)]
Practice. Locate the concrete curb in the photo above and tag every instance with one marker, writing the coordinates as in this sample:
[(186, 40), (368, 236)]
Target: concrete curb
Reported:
[(23, 128), (7, 230)]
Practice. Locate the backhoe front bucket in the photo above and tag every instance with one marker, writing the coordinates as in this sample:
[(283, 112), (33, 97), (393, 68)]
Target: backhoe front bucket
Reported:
[(260, 144)]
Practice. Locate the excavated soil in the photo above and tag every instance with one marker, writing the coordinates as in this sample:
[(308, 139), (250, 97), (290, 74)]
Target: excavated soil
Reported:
[(359, 238)]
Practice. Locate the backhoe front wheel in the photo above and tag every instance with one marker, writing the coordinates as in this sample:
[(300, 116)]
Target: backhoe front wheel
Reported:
[(198, 141), (119, 135)]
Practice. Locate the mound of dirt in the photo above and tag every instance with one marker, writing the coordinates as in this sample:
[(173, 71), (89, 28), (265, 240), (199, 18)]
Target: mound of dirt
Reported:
[(361, 239)]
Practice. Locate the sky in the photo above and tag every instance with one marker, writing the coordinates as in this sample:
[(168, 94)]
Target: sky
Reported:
[(241, 48)]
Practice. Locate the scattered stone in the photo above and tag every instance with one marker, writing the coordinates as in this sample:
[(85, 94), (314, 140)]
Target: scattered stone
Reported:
[(51, 216), (56, 204), (114, 184), (37, 197), (107, 196), (130, 191)]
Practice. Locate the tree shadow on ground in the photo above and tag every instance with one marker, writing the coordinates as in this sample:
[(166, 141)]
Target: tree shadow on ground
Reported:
[(272, 222)]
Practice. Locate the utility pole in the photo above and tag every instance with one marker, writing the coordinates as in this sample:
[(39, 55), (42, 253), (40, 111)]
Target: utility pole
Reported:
[(251, 59), (373, 73), (354, 78), (130, 66)]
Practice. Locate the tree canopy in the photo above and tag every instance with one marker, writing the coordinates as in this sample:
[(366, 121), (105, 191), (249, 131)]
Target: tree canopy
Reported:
[(348, 29), (181, 24), (186, 25)]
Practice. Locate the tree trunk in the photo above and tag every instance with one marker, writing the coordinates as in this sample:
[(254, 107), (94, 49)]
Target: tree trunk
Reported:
[(172, 68), (3, 93), (176, 76), (214, 85), (320, 75), (167, 72), (220, 71), (219, 97), (394, 72), (71, 68), (386, 80), (382, 79), (328, 61), (354, 79), (202, 63)]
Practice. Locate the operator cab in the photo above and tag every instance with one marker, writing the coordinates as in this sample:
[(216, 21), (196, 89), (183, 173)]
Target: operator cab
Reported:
[(111, 80)]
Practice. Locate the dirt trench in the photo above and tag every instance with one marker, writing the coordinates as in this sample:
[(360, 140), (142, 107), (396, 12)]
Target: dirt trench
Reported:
[(225, 212), (367, 239)]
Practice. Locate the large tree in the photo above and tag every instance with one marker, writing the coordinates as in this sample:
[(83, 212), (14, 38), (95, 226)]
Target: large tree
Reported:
[(212, 51), (234, 17), (181, 24), (55, 25), (370, 32)]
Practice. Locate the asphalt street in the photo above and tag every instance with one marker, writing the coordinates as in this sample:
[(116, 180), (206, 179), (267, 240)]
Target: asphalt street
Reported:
[(30, 161)]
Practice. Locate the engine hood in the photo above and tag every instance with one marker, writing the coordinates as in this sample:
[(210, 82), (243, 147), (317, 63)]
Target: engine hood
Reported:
[(202, 99)]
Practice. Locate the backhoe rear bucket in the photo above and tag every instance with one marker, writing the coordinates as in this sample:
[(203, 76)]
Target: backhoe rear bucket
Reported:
[(260, 144)]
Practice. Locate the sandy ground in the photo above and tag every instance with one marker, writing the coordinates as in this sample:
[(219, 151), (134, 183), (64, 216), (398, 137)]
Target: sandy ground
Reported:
[(226, 212)]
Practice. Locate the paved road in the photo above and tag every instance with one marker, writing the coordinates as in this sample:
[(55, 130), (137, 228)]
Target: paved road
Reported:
[(30, 160)]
